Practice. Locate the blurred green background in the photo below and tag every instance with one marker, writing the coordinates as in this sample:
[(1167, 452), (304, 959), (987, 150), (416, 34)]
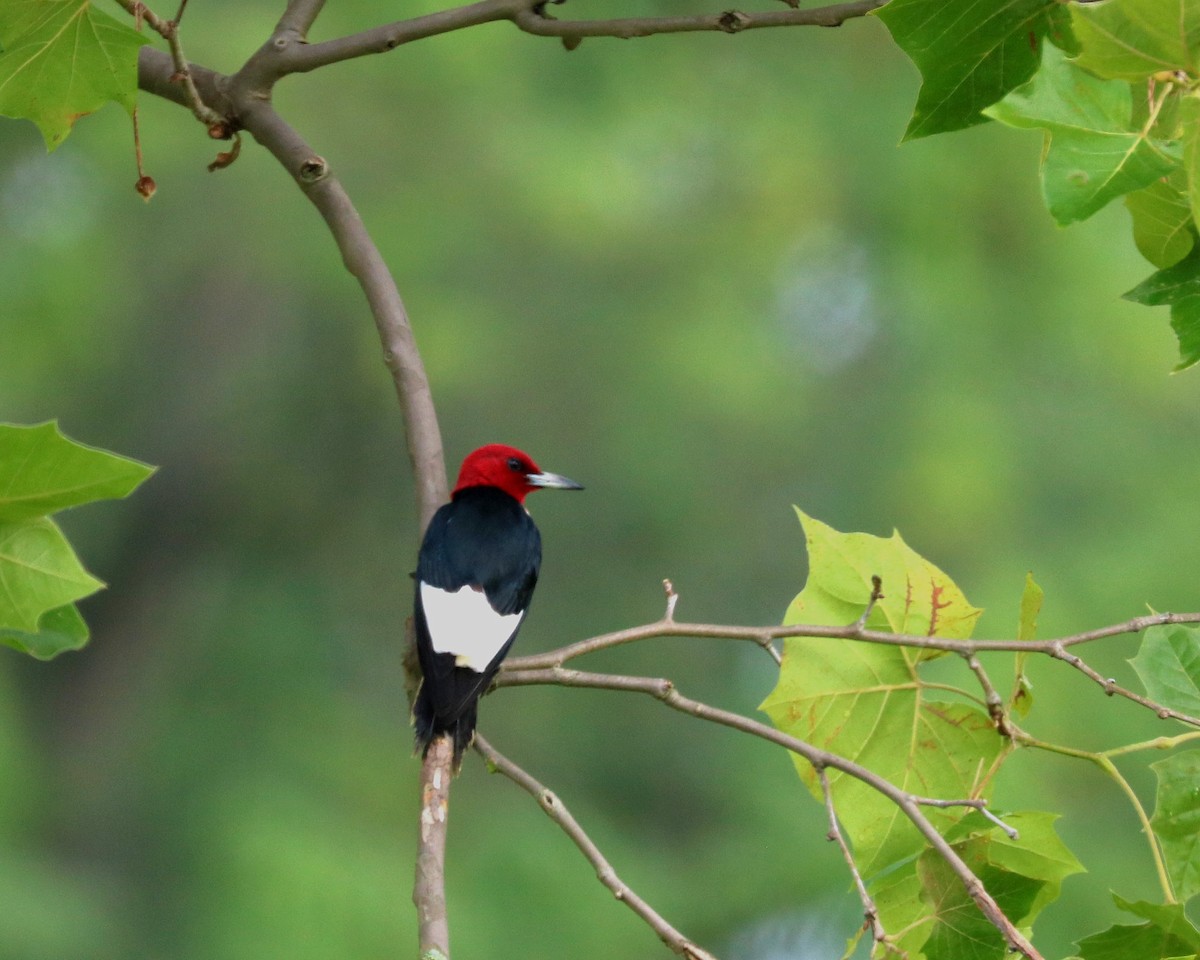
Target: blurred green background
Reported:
[(696, 273)]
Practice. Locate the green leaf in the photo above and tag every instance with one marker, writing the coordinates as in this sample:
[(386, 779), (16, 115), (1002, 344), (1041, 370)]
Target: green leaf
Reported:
[(1095, 153), (1189, 122), (1135, 39), (59, 630), (960, 931), (904, 910), (41, 472), (1179, 286), (1162, 217), (916, 912), (1037, 852), (63, 59), (1168, 663), (970, 54), (1167, 935), (1031, 605), (38, 572), (1169, 917), (1124, 942), (867, 701), (1176, 820)]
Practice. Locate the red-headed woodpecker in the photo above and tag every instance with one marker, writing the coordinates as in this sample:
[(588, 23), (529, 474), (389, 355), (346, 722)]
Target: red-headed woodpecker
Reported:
[(476, 572)]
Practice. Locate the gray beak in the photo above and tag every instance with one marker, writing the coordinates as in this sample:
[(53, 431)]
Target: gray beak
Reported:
[(552, 481)]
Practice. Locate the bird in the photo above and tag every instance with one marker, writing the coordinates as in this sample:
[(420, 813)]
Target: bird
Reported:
[(476, 571)]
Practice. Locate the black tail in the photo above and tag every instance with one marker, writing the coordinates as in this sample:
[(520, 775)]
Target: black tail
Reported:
[(428, 726)]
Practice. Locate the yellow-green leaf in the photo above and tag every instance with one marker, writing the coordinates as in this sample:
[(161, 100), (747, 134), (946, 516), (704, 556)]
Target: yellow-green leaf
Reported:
[(64, 59), (917, 596), (867, 702)]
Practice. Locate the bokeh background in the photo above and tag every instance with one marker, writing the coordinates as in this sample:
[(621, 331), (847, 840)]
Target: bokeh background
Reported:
[(697, 273)]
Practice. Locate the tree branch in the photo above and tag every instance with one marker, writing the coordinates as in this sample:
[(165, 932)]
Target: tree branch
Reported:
[(247, 108), (429, 885), (763, 636), (908, 804), (299, 16), (536, 21), (169, 31), (557, 811), (870, 910), (286, 52), (362, 258)]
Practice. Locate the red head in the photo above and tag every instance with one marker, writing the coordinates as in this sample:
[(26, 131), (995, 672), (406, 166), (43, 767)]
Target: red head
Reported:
[(514, 472)]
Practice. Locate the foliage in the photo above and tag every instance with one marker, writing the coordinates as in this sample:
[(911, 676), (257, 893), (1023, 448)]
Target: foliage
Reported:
[(874, 703), (42, 473), (1113, 85), (1115, 93)]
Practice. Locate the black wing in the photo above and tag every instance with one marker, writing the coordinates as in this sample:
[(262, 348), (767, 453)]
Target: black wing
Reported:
[(483, 539)]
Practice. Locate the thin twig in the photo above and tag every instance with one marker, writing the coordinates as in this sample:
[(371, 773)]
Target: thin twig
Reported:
[(978, 803), (1103, 761), (218, 126), (672, 600), (282, 57), (1158, 743), (763, 636), (535, 20), (992, 698), (283, 54), (557, 811), (872, 600), (757, 634), (664, 690), (1112, 688), (870, 910)]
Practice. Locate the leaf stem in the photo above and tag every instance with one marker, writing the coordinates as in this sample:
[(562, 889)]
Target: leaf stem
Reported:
[(1103, 761)]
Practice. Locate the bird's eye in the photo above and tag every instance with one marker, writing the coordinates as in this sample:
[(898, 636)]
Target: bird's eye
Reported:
[(515, 464)]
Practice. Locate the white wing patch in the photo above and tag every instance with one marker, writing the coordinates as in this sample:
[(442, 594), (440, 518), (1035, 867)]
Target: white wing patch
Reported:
[(463, 623)]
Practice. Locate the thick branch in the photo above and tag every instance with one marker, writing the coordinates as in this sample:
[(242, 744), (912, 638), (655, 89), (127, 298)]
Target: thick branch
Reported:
[(907, 803), (556, 811), (247, 108), (299, 16), (362, 258), (429, 887)]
